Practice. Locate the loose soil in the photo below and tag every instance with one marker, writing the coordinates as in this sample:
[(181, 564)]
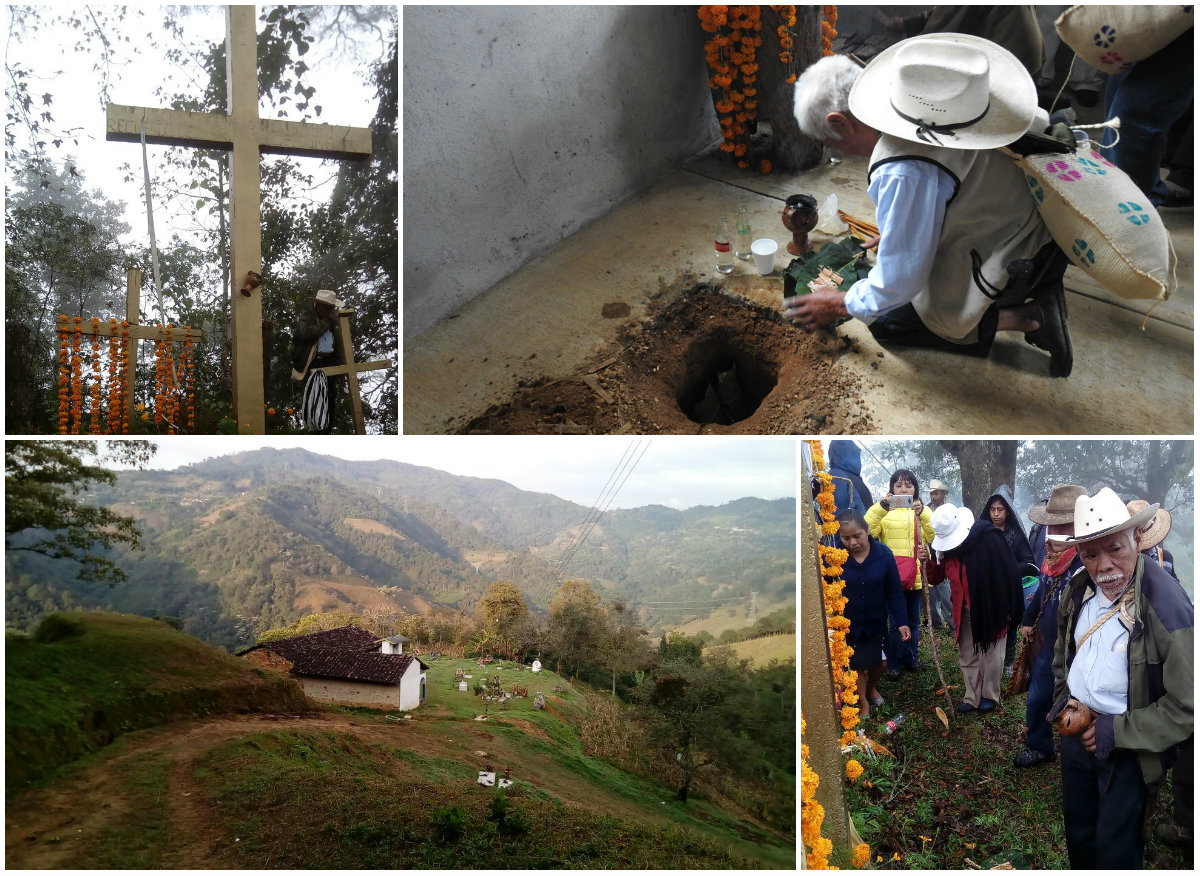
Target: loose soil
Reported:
[(654, 371)]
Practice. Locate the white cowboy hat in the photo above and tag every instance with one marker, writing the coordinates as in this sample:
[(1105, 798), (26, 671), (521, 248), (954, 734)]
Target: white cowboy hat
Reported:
[(935, 484), (946, 89), (1101, 515), (327, 296), (951, 526)]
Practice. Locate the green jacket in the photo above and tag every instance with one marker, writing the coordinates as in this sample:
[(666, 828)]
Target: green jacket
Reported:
[(1159, 710)]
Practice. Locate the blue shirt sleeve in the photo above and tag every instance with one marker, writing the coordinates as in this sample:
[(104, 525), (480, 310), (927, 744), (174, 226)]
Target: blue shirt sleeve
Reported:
[(910, 202)]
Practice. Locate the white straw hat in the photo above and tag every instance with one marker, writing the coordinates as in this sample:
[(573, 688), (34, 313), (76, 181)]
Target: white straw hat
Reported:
[(1101, 515), (951, 526), (946, 89), (327, 296)]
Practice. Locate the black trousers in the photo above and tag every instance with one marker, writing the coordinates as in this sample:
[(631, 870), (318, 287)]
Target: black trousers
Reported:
[(904, 327), (1104, 801)]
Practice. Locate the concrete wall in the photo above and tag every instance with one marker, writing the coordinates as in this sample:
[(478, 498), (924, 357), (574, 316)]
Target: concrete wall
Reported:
[(523, 124), (351, 693)]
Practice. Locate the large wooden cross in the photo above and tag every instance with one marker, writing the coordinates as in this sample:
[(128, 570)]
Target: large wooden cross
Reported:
[(241, 131)]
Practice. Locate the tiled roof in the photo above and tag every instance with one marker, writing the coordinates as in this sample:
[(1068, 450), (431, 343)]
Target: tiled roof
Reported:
[(349, 653)]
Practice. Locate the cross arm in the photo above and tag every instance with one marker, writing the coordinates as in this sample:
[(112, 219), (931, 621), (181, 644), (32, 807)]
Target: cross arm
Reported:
[(166, 127), (338, 370), (317, 141)]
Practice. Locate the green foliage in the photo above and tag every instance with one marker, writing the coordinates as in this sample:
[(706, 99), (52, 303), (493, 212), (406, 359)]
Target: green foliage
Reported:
[(43, 514), (509, 820), (97, 676), (447, 823)]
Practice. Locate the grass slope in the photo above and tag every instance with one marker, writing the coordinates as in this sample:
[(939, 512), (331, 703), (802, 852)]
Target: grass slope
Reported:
[(347, 788), (86, 677), (764, 649)]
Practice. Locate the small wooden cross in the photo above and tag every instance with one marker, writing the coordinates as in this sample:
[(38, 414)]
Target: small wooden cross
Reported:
[(241, 131), (133, 288), (351, 368)]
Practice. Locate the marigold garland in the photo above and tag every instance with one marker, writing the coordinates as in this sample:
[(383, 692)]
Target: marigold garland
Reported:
[(104, 402), (829, 15), (812, 813)]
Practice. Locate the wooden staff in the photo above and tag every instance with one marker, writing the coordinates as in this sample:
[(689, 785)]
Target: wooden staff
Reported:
[(929, 621)]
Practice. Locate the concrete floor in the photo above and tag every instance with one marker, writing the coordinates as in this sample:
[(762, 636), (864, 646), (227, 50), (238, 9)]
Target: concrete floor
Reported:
[(545, 321)]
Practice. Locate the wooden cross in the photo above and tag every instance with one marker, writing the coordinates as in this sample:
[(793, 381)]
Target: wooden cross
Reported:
[(346, 350), (241, 131), (133, 288)]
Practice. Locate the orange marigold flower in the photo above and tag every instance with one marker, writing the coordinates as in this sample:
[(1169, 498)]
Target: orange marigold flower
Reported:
[(271, 412), (791, 79), (740, 150), (765, 166), (727, 147), (725, 106), (853, 770), (743, 164), (749, 69)]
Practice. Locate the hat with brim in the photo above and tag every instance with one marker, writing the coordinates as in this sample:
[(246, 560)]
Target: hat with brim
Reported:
[(327, 296), (935, 485), (1159, 526), (946, 89), (950, 526), (1060, 507), (1102, 515)]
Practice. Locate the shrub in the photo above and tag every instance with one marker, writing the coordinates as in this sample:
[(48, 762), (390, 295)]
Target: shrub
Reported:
[(447, 823), (57, 627)]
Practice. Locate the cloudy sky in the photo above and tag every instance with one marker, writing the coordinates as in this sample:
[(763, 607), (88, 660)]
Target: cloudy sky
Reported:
[(676, 471)]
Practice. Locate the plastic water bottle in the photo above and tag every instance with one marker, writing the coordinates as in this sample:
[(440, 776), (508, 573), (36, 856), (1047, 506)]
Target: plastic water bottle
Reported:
[(723, 244), (742, 248), (890, 726)]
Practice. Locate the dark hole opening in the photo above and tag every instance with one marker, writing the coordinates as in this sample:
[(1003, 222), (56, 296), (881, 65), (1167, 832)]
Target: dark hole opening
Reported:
[(722, 383)]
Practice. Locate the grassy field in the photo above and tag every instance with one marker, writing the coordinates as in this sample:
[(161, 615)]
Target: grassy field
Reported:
[(86, 678), (335, 788), (764, 649), (949, 797)]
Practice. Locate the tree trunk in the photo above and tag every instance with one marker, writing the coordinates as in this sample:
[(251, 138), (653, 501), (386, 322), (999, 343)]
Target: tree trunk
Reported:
[(984, 465), (1162, 460), (793, 150)]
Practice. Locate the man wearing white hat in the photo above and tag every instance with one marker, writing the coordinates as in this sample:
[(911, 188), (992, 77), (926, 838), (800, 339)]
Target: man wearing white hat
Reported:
[(1123, 682), (939, 587), (956, 219), (313, 347)]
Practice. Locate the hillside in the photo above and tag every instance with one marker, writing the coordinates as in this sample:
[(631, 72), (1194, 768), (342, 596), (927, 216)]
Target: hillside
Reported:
[(353, 789), (84, 679), (256, 540)]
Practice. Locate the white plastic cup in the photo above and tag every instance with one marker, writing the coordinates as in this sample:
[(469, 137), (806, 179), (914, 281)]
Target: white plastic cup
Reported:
[(764, 250)]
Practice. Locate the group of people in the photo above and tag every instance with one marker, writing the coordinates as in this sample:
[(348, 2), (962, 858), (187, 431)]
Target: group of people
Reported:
[(963, 253), (1106, 625)]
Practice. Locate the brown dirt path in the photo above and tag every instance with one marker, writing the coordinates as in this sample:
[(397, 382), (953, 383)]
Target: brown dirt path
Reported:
[(57, 827)]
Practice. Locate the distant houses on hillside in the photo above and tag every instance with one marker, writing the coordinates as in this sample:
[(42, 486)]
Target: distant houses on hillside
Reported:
[(348, 666)]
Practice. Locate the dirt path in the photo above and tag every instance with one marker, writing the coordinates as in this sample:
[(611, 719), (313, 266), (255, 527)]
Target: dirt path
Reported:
[(56, 827)]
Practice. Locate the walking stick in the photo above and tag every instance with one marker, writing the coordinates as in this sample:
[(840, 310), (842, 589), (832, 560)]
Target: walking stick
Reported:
[(929, 623)]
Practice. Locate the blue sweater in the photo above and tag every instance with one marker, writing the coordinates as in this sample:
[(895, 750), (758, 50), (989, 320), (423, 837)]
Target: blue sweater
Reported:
[(872, 590)]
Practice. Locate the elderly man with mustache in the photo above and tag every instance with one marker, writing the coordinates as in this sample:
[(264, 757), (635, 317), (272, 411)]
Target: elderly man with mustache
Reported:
[(1123, 683)]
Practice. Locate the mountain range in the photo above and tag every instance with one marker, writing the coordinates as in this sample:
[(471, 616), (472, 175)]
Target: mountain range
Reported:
[(238, 544)]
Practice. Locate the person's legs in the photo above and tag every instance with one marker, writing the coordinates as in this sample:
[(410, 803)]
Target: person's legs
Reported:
[(1080, 803), (1148, 99), (969, 661), (904, 327), (1038, 735), (912, 602), (992, 672), (1122, 804)]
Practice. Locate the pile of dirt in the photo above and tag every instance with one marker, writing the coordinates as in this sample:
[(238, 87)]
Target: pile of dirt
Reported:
[(680, 365)]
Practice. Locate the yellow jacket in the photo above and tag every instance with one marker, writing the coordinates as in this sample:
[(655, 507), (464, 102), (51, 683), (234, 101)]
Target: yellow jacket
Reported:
[(895, 529)]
